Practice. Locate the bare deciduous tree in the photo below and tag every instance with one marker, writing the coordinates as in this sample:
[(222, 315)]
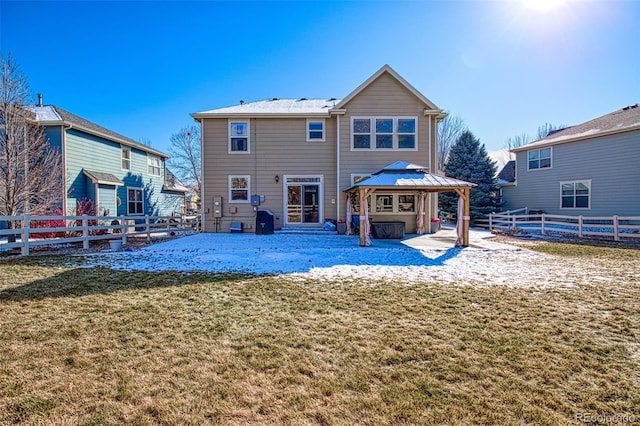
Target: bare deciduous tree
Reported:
[(449, 130), (30, 168), (185, 156), (523, 138)]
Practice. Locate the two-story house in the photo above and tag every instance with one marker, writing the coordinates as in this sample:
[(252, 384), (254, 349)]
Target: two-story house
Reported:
[(296, 157), (591, 169), (120, 175)]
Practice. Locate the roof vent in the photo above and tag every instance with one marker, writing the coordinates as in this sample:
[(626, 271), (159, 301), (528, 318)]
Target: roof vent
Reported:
[(241, 102), (275, 99), (628, 107), (332, 99), (39, 99), (303, 99)]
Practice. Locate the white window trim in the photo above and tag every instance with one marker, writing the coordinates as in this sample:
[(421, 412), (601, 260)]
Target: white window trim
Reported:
[(372, 120), (231, 200), (248, 123), (324, 129), (141, 200), (122, 158), (150, 160), (587, 182), (540, 168)]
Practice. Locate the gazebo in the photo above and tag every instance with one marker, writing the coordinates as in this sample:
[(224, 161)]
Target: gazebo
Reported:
[(406, 178)]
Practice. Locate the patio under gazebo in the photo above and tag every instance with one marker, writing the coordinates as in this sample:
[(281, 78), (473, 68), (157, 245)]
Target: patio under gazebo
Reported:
[(406, 178)]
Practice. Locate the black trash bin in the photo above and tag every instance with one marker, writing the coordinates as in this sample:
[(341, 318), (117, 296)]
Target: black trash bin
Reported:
[(264, 222)]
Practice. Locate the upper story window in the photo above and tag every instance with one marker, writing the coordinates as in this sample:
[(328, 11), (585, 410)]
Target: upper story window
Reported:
[(239, 187), (539, 158), (153, 165), (383, 133), (315, 130), (239, 137), (126, 158), (575, 195)]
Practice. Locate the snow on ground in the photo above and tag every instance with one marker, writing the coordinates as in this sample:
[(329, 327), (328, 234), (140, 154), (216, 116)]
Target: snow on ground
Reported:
[(339, 258)]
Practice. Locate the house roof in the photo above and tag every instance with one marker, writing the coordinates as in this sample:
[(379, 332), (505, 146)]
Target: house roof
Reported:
[(54, 115), (406, 175), (304, 107), (623, 120), (102, 178), (508, 173), (172, 183), (273, 108)]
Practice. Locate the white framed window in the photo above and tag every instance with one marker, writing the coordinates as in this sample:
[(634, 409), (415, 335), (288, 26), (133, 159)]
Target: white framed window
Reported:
[(239, 137), (575, 195), (539, 159), (384, 133), (135, 201), (384, 203), (315, 130), (125, 155), (239, 187), (153, 165)]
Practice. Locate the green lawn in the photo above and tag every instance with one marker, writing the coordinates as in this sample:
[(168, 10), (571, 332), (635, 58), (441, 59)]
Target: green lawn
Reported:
[(101, 347)]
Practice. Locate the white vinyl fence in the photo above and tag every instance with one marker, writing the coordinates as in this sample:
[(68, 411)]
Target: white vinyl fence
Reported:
[(33, 231), (608, 227)]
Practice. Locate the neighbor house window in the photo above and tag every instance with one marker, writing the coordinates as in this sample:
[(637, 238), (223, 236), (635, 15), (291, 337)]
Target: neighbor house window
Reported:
[(315, 130), (238, 137), (153, 165), (135, 203), (539, 158), (575, 195), (239, 189), (383, 133), (126, 158)]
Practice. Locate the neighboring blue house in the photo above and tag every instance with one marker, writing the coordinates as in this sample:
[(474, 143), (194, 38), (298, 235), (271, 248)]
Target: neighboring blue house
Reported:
[(592, 169), (120, 175)]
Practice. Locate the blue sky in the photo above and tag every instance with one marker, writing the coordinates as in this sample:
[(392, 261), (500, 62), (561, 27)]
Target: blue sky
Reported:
[(140, 67)]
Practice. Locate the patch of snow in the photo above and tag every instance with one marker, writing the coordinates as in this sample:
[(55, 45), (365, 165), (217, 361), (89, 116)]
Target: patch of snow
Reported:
[(339, 258)]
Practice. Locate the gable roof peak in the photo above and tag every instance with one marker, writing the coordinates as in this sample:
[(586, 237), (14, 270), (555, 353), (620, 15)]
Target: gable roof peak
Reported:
[(386, 68)]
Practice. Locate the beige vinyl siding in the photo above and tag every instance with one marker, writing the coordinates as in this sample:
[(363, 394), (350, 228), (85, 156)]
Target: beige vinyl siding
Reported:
[(278, 147), (385, 97)]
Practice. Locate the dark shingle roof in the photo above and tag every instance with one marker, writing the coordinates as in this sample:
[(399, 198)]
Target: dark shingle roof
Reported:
[(508, 173), (102, 178), (47, 114), (622, 120)]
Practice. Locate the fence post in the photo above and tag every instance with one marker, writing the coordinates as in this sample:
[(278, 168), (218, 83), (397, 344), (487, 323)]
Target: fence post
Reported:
[(123, 230), (616, 228), (580, 226), (542, 223), (85, 232), (146, 224), (25, 234), (513, 226), (490, 222)]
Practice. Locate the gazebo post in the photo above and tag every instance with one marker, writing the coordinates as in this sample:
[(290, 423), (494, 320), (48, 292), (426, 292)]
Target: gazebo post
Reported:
[(361, 194), (466, 218)]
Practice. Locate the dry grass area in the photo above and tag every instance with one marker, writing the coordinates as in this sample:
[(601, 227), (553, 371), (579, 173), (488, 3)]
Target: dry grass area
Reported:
[(100, 347)]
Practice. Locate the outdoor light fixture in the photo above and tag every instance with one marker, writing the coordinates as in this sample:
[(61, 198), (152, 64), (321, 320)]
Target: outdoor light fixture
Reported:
[(277, 178)]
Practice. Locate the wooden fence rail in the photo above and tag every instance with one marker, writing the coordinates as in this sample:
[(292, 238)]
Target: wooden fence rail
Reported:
[(615, 227), (27, 231)]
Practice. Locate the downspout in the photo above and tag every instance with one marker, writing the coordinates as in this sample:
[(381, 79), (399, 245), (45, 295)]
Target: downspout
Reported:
[(202, 171), (63, 148), (430, 198), (338, 195)]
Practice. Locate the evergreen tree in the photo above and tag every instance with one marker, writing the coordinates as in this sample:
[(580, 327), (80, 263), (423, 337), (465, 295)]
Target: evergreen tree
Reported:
[(469, 161)]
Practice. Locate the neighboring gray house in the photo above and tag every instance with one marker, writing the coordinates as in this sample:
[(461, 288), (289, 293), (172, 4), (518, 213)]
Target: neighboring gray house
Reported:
[(592, 169), (120, 175)]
